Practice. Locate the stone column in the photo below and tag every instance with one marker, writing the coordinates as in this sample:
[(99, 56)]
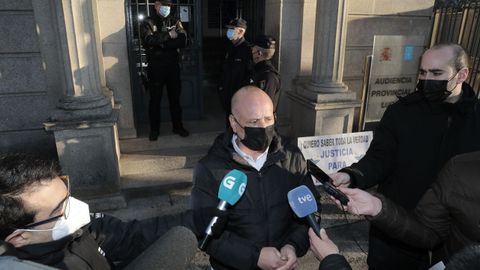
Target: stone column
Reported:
[(323, 105), (84, 123)]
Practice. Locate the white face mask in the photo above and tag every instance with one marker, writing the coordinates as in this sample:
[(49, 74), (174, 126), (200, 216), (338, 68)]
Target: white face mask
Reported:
[(79, 216), (164, 11)]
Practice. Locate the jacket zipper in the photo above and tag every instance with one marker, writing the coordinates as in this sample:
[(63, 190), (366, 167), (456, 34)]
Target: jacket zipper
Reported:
[(264, 204)]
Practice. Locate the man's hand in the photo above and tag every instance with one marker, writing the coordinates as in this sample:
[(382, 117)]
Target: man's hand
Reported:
[(361, 202), (290, 256), (340, 179), (270, 258), (321, 246)]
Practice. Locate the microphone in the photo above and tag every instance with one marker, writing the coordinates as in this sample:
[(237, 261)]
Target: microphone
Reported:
[(303, 203), (230, 191)]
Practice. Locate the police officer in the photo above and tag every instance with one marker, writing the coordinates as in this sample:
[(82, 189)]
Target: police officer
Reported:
[(237, 65), (162, 36), (265, 76)]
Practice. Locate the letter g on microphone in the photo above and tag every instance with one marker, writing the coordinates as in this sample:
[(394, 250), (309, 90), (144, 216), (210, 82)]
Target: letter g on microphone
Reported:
[(229, 182), (241, 188)]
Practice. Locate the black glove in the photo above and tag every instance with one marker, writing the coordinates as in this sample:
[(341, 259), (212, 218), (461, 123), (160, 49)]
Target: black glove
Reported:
[(203, 216)]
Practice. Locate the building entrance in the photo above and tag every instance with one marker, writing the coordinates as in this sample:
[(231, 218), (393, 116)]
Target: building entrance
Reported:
[(201, 61)]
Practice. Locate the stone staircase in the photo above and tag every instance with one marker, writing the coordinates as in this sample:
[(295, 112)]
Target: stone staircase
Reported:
[(157, 179), (169, 160)]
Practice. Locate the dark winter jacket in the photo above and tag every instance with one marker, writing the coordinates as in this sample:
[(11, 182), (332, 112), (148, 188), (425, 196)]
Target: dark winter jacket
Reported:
[(412, 143), (236, 67), (105, 243), (448, 213), (265, 76), (162, 50), (262, 217), (334, 262)]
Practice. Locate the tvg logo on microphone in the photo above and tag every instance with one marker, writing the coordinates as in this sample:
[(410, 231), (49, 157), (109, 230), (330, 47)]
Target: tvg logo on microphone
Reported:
[(241, 189), (229, 182)]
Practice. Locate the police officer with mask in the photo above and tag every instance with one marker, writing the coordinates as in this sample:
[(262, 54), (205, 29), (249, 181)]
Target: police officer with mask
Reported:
[(162, 36), (237, 64), (265, 76)]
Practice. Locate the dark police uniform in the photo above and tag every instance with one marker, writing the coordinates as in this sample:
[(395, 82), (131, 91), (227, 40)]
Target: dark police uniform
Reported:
[(237, 68), (163, 69), (265, 76)]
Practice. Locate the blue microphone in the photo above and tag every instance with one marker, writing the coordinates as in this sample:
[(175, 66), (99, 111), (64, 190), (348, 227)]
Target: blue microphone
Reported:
[(303, 203), (230, 191)]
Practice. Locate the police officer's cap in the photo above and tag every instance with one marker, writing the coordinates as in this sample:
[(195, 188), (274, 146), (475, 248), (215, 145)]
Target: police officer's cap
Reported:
[(265, 41), (238, 22), (165, 2)]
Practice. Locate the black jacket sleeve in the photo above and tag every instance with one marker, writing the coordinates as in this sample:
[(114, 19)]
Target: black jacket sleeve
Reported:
[(429, 223), (379, 160), (229, 249), (124, 241), (334, 262), (272, 88), (161, 39)]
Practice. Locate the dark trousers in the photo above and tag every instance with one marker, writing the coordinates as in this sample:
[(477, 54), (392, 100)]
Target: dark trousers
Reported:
[(386, 253), (174, 250), (158, 78)]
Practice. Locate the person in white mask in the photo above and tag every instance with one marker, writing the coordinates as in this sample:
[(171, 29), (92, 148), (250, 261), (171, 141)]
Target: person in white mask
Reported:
[(163, 36), (46, 225), (237, 65)]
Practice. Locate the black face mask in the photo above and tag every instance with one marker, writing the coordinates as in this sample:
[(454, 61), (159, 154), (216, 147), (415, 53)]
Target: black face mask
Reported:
[(434, 90), (257, 138)]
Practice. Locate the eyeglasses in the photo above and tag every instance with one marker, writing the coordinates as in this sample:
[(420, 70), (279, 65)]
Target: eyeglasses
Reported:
[(66, 207)]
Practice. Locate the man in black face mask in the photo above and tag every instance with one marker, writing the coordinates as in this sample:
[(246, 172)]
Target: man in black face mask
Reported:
[(261, 231), (440, 78), (414, 139)]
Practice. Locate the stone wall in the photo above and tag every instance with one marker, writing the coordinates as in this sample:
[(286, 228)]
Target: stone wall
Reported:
[(111, 18), (28, 90), (294, 23), (367, 18)]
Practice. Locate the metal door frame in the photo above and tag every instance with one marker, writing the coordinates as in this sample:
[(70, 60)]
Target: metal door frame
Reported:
[(458, 21), (136, 55)]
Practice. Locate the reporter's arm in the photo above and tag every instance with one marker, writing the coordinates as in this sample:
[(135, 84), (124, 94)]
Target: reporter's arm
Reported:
[(327, 252), (123, 241), (336, 262), (425, 227)]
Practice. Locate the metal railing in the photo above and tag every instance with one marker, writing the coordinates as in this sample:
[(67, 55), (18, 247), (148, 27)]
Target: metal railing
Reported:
[(459, 21)]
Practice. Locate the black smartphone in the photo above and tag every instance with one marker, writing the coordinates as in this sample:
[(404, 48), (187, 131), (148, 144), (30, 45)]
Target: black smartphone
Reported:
[(326, 181)]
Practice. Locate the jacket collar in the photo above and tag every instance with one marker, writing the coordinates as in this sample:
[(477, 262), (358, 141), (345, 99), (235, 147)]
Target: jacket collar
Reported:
[(464, 105), (240, 42), (263, 65), (48, 253)]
